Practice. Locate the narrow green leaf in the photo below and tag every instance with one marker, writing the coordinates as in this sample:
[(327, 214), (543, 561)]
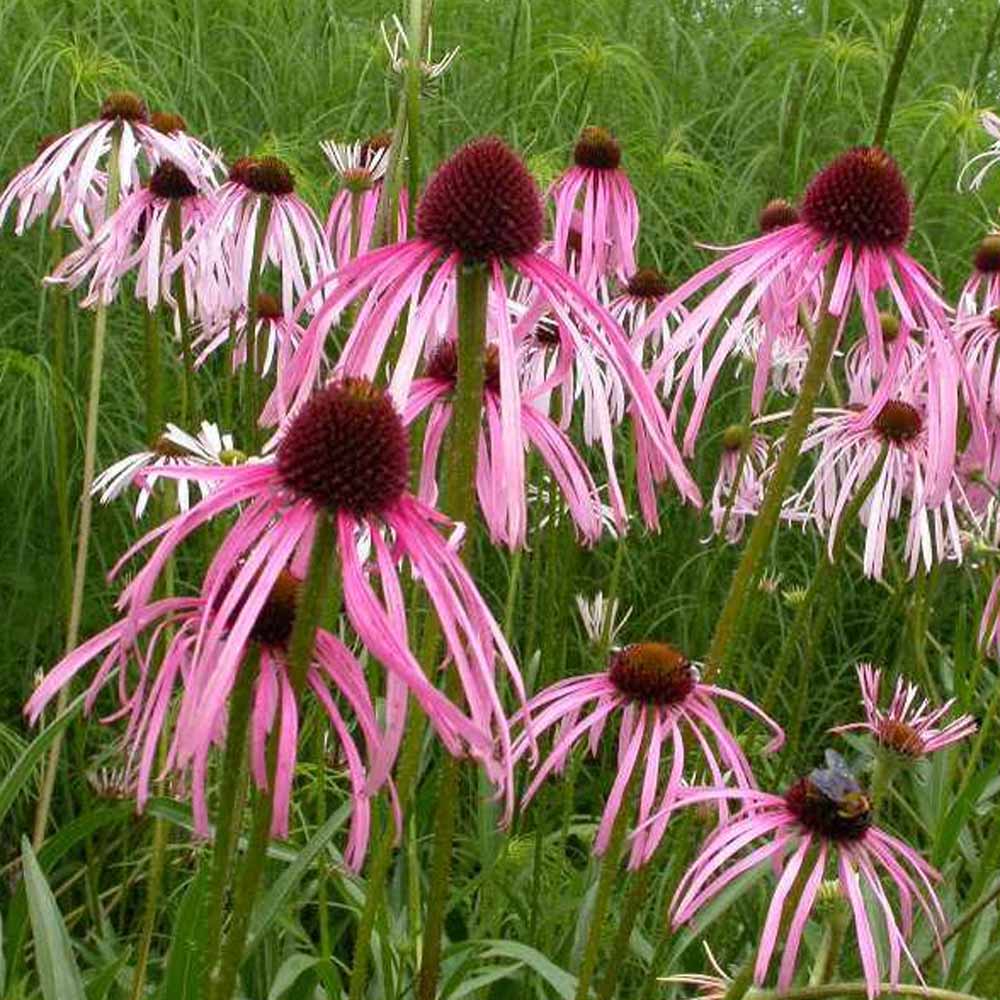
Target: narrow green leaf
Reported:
[(289, 972), (57, 971), (563, 982), (270, 906), (182, 978), (22, 771)]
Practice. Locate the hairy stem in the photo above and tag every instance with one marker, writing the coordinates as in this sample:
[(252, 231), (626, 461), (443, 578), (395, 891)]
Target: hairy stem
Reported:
[(86, 509), (460, 504), (909, 28), (251, 404), (751, 563), (634, 901), (188, 387)]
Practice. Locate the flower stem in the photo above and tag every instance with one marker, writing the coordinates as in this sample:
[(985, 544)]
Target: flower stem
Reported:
[(842, 991), (154, 375), (634, 900), (606, 881), (752, 561), (188, 388), (828, 956), (460, 504), (251, 404), (909, 28), (413, 80), (231, 801), (86, 508), (313, 596)]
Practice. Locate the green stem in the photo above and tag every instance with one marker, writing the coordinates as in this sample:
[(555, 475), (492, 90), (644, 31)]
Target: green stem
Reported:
[(384, 229), (982, 63), (154, 375), (828, 956), (356, 197), (882, 774), (250, 401), (314, 594), (413, 81), (86, 509), (188, 387), (511, 53), (634, 901), (228, 377), (606, 881), (909, 28), (231, 801), (460, 504), (841, 991), (752, 561)]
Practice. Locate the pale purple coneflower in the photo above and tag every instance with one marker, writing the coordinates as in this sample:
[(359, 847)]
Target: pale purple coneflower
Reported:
[(849, 443), (210, 160), (823, 818), (855, 217), (866, 363), (74, 166), (137, 236), (293, 242), (345, 456), (595, 198), (910, 725), (991, 123), (661, 706), (981, 292), (174, 447), (398, 48), (501, 507), (601, 617), (481, 207), (350, 223), (172, 670), (277, 336), (744, 455)]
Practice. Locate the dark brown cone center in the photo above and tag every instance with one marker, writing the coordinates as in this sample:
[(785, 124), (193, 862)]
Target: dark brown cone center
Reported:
[(125, 105), (844, 817), (598, 149), (647, 283), (898, 422), (653, 672)]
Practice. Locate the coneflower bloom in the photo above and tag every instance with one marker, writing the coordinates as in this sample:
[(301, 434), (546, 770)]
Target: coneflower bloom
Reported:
[(981, 292), (277, 336), (482, 206), (655, 694), (866, 363), (293, 242), (74, 165), (345, 456), (910, 725), (849, 443), (174, 447), (84, 215), (595, 197), (173, 125), (991, 123), (501, 506), (360, 167), (601, 617), (137, 237), (739, 485), (823, 818), (170, 666), (855, 218)]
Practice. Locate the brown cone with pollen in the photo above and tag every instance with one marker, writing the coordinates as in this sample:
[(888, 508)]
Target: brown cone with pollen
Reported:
[(167, 122), (347, 449), (653, 673), (647, 283), (777, 214), (482, 203), (268, 307), (898, 422), (276, 620), (169, 181), (443, 365), (125, 105), (861, 198), (269, 175), (987, 258), (598, 149)]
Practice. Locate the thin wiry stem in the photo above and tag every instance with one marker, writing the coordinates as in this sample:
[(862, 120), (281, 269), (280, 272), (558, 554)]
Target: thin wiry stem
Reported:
[(86, 507), (909, 28)]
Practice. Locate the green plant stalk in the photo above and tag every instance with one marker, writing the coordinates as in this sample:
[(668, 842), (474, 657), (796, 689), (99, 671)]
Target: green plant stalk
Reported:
[(315, 593), (631, 908), (154, 375), (189, 389), (230, 804), (751, 563), (885, 768), (460, 504), (843, 991), (982, 63), (228, 378), (828, 955), (384, 229), (413, 82), (356, 197), (322, 896), (909, 28), (61, 425), (605, 886), (86, 510), (251, 403)]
